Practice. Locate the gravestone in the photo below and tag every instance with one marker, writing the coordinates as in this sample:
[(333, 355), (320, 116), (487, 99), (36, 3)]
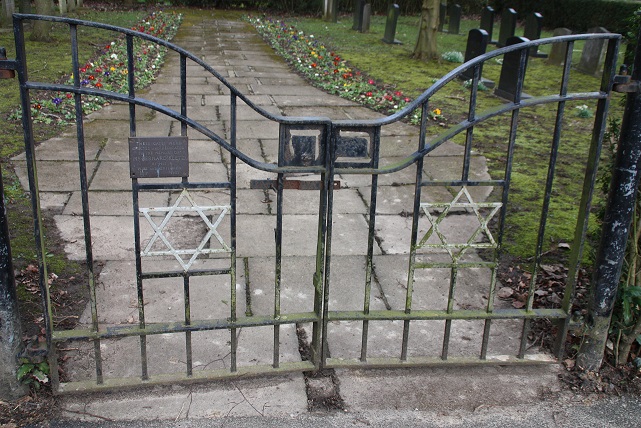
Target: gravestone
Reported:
[(367, 16), (477, 41), (508, 81), (455, 19), (508, 26), (593, 53), (533, 27), (442, 13), (558, 50), (390, 26), (487, 21), (359, 7)]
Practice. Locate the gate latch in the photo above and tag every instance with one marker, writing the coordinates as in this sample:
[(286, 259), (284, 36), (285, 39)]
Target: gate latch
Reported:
[(7, 67), (624, 83)]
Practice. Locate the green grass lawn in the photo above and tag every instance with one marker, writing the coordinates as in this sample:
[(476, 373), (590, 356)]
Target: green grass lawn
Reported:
[(392, 65)]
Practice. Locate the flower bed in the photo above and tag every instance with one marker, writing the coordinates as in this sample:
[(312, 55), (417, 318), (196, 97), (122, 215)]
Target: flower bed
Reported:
[(108, 71), (328, 71)]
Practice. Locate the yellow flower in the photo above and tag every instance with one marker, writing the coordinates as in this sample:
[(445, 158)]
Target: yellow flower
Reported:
[(112, 68), (437, 111)]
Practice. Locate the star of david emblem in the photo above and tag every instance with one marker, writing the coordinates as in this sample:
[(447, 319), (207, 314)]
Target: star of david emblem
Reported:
[(456, 250), (193, 252)]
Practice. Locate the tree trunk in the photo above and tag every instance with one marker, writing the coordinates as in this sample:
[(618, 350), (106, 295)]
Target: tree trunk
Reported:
[(25, 6), (62, 4), (329, 10), (42, 29), (8, 8), (426, 48)]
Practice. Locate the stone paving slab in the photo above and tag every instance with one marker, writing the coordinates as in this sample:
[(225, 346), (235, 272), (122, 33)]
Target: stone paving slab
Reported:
[(272, 396), (113, 203), (64, 148), (451, 390), (55, 176)]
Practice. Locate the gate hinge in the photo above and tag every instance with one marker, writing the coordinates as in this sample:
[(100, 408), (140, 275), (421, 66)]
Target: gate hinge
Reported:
[(7, 67), (624, 83)]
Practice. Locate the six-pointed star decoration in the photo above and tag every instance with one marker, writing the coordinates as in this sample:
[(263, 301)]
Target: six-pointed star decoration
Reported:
[(472, 242), (194, 252)]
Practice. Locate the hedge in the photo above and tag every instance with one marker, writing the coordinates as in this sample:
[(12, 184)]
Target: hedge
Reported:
[(578, 15)]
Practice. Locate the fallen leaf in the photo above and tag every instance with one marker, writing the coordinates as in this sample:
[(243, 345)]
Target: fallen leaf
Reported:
[(569, 363), (518, 304), (505, 293), (564, 245), (541, 293)]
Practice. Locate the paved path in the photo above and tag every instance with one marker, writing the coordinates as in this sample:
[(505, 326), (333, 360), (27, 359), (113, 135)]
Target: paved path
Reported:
[(239, 55)]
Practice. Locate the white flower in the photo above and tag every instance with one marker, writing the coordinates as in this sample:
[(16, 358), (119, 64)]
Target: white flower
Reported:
[(114, 56)]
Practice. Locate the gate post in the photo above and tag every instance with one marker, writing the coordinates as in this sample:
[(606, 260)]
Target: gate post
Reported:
[(10, 331), (616, 224)]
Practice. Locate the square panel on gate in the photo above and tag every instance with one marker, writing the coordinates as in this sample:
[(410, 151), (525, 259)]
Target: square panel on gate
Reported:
[(301, 145)]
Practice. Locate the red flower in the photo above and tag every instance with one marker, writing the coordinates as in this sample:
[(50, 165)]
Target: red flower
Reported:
[(369, 94), (371, 82), (335, 71), (98, 85), (407, 100), (108, 47), (92, 77), (69, 96), (82, 70), (313, 65), (398, 93)]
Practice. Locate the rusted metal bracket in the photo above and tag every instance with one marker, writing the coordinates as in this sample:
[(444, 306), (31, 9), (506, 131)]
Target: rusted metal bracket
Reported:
[(291, 184), (624, 83), (7, 67)]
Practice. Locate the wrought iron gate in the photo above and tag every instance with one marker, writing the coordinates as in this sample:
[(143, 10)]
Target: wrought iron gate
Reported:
[(430, 256)]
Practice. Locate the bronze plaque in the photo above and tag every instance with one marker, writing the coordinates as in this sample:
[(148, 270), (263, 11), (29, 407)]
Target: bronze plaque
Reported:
[(156, 157)]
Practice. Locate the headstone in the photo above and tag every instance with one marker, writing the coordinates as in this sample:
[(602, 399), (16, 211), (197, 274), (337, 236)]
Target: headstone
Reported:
[(442, 13), (487, 21), (533, 27), (390, 26), (558, 50), (593, 53), (508, 81), (367, 16), (359, 6), (477, 41), (508, 26), (455, 19)]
